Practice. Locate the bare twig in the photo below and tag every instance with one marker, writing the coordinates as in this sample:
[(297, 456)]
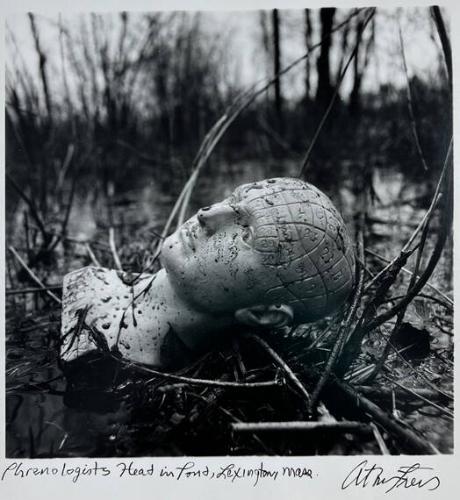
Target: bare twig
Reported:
[(70, 108), (369, 320), (198, 381), (450, 302), (402, 312), (420, 374), (410, 105), (113, 249), (34, 276), (280, 362), (321, 336), (32, 208), (230, 415), (26, 235), (385, 392), (42, 66), (69, 206), (406, 249), (379, 439), (65, 166), (185, 201), (238, 358), (417, 395), (405, 435), (439, 246), (91, 255)]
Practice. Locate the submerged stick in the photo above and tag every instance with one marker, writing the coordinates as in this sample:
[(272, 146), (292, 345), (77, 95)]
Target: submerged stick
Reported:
[(354, 427)]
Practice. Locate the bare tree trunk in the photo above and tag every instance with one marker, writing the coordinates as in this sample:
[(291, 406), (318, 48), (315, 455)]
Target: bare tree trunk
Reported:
[(344, 49), (325, 89), (357, 75), (43, 161), (445, 42), (308, 36), (265, 29), (265, 32), (277, 68), (42, 67), (360, 65)]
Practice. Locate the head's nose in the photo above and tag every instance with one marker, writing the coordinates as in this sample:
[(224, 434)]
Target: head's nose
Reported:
[(202, 215), (216, 216)]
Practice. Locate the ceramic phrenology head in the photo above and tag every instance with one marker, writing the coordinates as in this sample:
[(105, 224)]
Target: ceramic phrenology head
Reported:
[(275, 252)]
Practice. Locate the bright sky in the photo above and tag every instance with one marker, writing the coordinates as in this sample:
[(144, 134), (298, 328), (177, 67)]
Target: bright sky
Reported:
[(243, 35)]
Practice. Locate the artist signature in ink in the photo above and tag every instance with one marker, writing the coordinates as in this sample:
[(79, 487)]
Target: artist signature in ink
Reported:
[(407, 476)]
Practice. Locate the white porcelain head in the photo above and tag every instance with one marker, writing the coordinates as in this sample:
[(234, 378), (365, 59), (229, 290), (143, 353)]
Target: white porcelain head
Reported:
[(275, 252)]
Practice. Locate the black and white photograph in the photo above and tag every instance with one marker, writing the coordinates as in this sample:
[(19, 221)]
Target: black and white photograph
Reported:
[(229, 233)]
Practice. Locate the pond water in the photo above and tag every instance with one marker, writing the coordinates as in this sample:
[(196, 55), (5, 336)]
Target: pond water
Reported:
[(41, 419)]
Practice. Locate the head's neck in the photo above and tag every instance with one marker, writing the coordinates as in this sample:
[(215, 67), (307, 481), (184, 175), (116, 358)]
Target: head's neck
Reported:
[(192, 326)]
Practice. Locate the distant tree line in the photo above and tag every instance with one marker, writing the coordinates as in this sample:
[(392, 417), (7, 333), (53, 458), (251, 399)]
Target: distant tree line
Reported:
[(132, 89)]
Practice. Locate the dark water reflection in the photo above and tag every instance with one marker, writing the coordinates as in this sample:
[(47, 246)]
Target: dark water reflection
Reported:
[(41, 423)]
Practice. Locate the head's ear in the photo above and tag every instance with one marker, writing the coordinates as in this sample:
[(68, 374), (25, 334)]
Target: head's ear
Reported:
[(273, 316)]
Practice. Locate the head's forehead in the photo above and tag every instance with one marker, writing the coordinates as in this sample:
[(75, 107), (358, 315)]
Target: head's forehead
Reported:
[(302, 239)]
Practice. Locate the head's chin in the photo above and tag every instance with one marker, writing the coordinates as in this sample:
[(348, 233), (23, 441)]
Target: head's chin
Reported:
[(171, 253)]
